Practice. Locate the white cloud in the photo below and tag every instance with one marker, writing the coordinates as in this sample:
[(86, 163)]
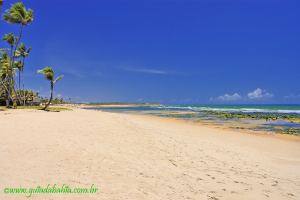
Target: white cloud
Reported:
[(228, 97), (259, 94), (145, 70)]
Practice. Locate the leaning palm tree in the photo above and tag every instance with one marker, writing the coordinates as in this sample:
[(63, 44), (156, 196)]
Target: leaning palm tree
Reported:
[(49, 75)]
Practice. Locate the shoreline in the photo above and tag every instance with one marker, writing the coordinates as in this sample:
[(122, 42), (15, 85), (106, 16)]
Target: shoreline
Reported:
[(205, 124)]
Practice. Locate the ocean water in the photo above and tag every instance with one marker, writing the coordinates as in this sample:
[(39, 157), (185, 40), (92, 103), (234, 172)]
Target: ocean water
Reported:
[(277, 109), (284, 109), (199, 113)]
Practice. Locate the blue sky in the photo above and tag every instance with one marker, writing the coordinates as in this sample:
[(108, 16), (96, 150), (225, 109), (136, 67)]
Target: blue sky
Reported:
[(169, 51)]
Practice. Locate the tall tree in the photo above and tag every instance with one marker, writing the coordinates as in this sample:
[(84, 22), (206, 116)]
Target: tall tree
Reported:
[(11, 40), (5, 70), (17, 14), (49, 75), (23, 52)]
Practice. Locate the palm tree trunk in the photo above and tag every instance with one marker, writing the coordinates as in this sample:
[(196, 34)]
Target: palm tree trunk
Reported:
[(9, 77), (51, 96), (13, 61), (7, 93), (24, 93), (19, 79)]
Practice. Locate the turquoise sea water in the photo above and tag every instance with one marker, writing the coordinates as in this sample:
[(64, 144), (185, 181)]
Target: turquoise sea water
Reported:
[(203, 113), (284, 109)]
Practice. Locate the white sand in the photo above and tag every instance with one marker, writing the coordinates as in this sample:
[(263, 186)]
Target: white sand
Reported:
[(139, 157)]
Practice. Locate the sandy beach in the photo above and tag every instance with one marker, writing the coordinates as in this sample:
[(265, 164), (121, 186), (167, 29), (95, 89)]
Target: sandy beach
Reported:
[(141, 157)]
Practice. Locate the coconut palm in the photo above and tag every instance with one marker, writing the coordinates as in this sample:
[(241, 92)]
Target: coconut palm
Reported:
[(49, 75), (17, 14), (4, 66), (11, 40), (5, 70), (23, 52), (19, 66)]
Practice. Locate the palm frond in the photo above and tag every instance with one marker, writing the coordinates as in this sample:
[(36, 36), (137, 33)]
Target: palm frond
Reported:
[(48, 73), (58, 78), (9, 38), (18, 14)]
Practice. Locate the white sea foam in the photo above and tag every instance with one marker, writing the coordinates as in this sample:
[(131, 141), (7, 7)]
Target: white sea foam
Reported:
[(244, 110)]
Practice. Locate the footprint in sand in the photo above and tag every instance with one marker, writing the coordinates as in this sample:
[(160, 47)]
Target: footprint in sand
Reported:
[(275, 183), (290, 194), (212, 198)]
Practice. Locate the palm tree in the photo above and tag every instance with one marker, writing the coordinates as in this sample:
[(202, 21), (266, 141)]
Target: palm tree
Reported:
[(17, 14), (49, 75), (19, 65), (23, 52), (5, 70), (4, 66), (11, 40)]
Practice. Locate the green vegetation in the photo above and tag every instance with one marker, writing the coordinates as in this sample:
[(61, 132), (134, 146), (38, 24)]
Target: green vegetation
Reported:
[(292, 118), (49, 75), (279, 129), (53, 109), (265, 116), (12, 63)]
